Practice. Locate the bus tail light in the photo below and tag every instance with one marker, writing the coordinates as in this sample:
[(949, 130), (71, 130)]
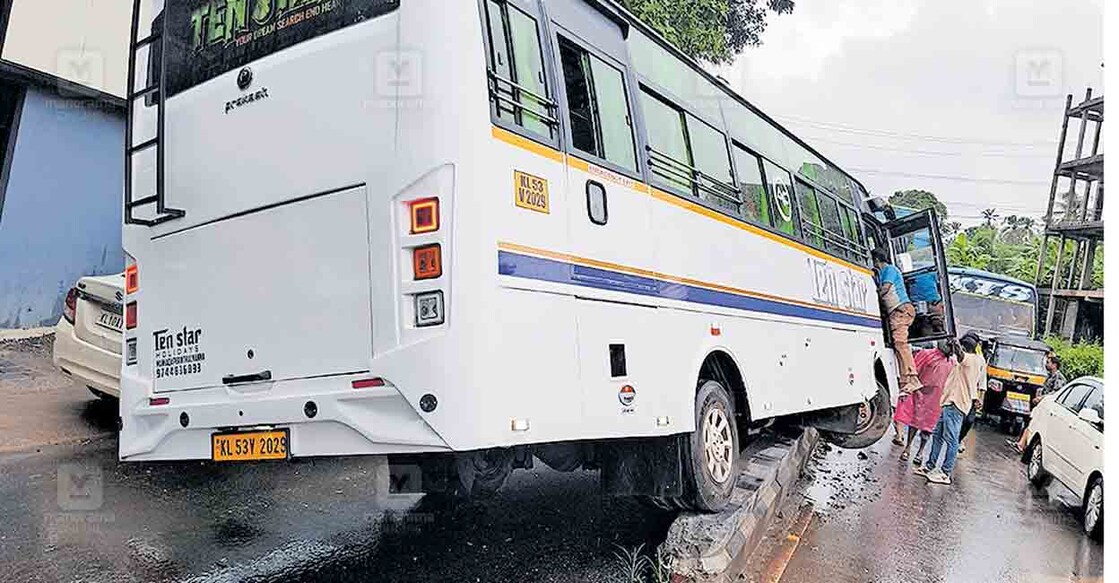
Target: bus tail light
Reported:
[(425, 215), (368, 383), (70, 306), (429, 309), (159, 401), (131, 279), (427, 262), (130, 315)]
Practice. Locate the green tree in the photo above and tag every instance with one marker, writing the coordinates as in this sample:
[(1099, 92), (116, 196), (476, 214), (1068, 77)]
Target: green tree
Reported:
[(920, 200), (989, 216), (714, 31)]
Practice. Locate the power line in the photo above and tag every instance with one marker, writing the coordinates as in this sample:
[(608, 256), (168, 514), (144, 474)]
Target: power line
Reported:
[(926, 152), (910, 136), (952, 178)]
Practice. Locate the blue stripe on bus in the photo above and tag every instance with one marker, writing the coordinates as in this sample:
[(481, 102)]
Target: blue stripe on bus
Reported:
[(542, 269)]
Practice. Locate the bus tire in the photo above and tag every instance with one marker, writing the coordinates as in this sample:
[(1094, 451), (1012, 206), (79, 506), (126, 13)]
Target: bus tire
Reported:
[(878, 415), (711, 452)]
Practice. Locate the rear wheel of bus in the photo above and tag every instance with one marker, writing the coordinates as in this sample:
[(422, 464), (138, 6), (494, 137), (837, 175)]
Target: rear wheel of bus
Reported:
[(711, 454), (871, 422)]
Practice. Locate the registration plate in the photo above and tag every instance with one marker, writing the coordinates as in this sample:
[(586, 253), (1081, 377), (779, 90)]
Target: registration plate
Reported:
[(110, 320), (249, 446), (1016, 402)]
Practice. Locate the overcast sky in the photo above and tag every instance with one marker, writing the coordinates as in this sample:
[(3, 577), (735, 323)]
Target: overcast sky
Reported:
[(963, 98)]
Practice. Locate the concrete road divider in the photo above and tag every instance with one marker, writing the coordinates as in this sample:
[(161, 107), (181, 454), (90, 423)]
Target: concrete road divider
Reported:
[(715, 547)]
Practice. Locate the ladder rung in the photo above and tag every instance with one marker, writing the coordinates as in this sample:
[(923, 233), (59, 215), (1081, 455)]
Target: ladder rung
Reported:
[(146, 41), (144, 145), (145, 91), (144, 201)]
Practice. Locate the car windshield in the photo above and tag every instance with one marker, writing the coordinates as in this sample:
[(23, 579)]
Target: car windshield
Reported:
[(992, 316), (1019, 360)]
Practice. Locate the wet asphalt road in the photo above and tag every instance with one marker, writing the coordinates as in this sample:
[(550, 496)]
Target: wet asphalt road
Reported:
[(74, 513), (872, 520), (70, 512)]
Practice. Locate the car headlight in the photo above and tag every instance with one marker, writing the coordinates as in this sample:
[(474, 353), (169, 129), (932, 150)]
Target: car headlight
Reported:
[(994, 385)]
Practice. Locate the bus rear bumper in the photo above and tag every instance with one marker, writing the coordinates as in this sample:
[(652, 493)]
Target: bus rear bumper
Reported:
[(345, 421)]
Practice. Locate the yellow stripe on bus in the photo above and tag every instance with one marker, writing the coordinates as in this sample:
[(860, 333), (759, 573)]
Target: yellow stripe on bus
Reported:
[(579, 164), (586, 261)]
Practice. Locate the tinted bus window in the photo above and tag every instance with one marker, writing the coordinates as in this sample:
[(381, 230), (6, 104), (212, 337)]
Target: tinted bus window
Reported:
[(755, 204), (781, 192), (597, 106), (206, 38)]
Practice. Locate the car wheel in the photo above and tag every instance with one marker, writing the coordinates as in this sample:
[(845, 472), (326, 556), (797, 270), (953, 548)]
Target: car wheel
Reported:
[(1035, 468), (1093, 509), (711, 456)]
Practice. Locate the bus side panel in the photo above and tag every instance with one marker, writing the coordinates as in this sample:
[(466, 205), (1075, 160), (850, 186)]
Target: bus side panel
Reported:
[(809, 314)]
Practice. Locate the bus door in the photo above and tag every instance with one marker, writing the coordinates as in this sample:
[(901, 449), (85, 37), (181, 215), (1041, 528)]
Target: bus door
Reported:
[(917, 250), (609, 211)]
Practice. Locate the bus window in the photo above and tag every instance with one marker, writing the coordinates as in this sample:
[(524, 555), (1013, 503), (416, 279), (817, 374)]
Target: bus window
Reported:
[(810, 215), (781, 193), (597, 106), (833, 230), (670, 160), (851, 232), (712, 160), (518, 82), (755, 204)]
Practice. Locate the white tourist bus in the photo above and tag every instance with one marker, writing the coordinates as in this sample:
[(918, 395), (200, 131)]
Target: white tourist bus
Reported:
[(475, 233)]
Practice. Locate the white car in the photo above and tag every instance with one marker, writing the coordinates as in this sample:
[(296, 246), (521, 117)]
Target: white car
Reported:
[(87, 341), (1066, 443)]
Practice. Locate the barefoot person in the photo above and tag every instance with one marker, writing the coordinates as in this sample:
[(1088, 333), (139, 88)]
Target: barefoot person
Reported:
[(920, 410), (900, 314)]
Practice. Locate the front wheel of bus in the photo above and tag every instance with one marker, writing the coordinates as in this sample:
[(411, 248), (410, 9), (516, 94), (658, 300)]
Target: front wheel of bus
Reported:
[(872, 421), (712, 453)]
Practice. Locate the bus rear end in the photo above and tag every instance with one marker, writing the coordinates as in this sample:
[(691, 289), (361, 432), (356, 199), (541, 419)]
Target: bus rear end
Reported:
[(265, 209)]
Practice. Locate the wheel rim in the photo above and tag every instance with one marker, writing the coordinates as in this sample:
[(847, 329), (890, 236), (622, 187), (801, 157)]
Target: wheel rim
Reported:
[(1035, 461), (1095, 507), (718, 445)]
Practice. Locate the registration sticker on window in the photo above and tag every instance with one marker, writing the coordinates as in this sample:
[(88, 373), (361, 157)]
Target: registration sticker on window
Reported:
[(530, 192)]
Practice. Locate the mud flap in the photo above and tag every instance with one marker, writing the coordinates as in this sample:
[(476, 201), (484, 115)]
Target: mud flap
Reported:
[(651, 466)]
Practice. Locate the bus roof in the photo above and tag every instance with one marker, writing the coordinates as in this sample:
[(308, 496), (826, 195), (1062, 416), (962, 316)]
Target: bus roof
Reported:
[(619, 14), (971, 271)]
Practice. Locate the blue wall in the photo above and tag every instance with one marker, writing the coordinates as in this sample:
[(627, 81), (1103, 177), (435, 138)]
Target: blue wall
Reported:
[(62, 212)]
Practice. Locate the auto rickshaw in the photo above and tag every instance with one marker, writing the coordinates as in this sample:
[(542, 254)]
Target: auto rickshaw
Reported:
[(1015, 373)]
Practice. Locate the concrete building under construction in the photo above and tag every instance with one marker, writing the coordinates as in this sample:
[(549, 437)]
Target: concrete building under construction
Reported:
[(1071, 297)]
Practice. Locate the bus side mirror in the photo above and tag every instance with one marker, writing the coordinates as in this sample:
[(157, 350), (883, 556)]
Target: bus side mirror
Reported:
[(1090, 415)]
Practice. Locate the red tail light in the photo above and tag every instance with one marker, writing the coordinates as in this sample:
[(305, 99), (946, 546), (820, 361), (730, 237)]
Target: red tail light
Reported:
[(131, 279), (130, 315), (368, 383), (159, 401), (70, 306), (425, 215)]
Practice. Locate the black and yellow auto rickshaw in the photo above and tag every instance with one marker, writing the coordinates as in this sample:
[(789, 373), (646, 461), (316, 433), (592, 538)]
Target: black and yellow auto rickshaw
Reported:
[(1015, 373)]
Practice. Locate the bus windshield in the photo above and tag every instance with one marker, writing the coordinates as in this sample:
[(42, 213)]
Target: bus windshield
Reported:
[(1019, 360), (992, 316)]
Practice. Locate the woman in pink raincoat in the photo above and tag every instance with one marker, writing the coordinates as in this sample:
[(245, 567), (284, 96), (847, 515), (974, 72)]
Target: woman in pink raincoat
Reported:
[(920, 410)]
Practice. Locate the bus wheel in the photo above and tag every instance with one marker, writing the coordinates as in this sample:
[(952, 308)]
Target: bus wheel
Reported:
[(711, 455), (873, 421)]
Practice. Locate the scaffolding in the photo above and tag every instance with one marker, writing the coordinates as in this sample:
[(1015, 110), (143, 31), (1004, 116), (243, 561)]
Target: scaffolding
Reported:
[(1073, 302)]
